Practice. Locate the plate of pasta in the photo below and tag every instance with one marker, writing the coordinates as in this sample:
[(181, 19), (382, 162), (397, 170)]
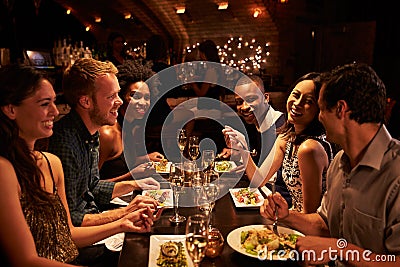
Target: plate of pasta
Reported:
[(259, 241)]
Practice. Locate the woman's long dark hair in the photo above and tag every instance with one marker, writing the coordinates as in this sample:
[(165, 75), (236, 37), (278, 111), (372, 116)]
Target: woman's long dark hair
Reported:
[(315, 128), (16, 84)]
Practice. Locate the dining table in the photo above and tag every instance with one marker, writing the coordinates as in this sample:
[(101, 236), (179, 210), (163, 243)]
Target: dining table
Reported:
[(226, 217)]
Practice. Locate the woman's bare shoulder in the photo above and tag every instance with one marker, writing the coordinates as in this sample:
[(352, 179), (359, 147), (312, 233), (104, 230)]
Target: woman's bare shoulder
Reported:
[(109, 132), (311, 147)]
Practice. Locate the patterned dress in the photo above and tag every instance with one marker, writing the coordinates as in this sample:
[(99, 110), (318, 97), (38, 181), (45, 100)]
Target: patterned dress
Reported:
[(48, 223), (291, 171)]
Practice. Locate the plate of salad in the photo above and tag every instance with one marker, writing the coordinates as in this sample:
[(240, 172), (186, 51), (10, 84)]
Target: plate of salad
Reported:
[(259, 241), (246, 197)]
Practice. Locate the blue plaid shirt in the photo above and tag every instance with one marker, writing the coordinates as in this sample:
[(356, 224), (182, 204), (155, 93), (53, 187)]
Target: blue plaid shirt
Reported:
[(79, 154)]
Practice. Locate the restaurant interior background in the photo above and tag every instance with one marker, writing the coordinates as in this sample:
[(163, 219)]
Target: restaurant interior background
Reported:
[(294, 36)]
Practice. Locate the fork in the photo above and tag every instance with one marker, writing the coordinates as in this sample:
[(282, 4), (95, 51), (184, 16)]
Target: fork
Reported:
[(253, 152), (275, 224)]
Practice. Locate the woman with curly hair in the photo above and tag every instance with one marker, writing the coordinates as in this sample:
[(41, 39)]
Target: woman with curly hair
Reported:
[(135, 92)]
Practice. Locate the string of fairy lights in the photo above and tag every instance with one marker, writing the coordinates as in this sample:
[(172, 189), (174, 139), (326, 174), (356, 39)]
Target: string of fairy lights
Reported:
[(248, 56)]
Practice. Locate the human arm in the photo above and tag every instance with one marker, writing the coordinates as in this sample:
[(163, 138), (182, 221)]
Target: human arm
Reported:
[(128, 220), (258, 176), (313, 160), (110, 143), (82, 186), (317, 237), (125, 187), (154, 156), (16, 239), (308, 224), (120, 189)]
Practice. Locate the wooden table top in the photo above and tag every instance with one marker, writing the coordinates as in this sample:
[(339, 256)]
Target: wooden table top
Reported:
[(226, 217)]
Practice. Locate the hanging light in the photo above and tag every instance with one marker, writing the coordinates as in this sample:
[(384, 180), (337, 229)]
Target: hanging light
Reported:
[(180, 10), (257, 12), (127, 15), (97, 19), (223, 5)]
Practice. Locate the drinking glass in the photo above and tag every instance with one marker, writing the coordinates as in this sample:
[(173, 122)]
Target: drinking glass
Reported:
[(196, 237), (207, 159), (194, 149), (210, 191), (182, 140), (189, 172), (176, 178)]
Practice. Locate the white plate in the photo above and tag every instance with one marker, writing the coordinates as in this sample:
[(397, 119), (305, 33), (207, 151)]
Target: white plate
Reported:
[(156, 194), (220, 163), (167, 167), (243, 205), (233, 238), (155, 244)]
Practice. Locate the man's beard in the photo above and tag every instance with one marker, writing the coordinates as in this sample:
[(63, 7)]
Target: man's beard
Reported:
[(97, 117)]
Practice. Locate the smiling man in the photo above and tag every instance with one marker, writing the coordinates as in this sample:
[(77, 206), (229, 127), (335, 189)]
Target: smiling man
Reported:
[(91, 89), (252, 104)]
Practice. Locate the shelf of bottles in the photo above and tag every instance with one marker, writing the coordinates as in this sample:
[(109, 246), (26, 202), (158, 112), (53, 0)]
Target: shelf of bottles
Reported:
[(65, 52)]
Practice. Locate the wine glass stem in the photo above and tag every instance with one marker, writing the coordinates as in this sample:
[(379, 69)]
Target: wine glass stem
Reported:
[(210, 217), (176, 203)]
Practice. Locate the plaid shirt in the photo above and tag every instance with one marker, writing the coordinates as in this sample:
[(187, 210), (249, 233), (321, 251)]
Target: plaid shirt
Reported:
[(79, 154)]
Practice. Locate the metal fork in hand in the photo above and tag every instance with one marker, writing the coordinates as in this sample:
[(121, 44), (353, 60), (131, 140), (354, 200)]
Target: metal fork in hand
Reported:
[(275, 224)]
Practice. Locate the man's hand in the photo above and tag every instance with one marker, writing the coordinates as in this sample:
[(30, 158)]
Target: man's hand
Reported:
[(225, 153), (140, 202), (143, 170), (139, 221), (267, 209), (155, 156), (147, 184), (234, 139)]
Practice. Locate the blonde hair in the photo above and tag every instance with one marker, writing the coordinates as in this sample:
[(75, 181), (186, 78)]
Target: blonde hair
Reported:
[(79, 79)]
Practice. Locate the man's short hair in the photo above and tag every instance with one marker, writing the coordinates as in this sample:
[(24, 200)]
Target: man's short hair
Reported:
[(252, 79), (79, 79), (361, 88)]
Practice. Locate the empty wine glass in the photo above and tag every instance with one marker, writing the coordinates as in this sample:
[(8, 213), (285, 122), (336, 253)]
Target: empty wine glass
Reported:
[(196, 237), (207, 159), (211, 192), (176, 178)]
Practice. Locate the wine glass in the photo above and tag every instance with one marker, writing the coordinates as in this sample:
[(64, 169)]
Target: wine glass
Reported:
[(176, 178), (211, 192), (194, 148), (207, 159), (196, 237), (182, 140)]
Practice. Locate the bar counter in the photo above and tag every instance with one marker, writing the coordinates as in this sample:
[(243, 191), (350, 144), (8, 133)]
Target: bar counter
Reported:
[(226, 217)]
